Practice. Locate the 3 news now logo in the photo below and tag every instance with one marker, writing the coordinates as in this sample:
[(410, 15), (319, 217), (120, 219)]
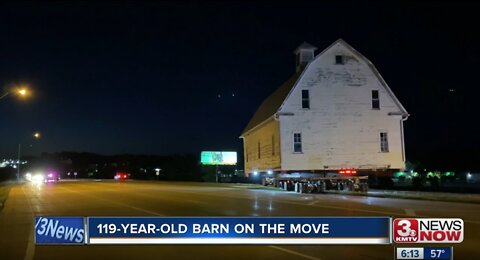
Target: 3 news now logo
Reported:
[(428, 230), (59, 230)]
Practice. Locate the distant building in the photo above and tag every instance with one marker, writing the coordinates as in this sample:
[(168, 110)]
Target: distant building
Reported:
[(335, 112), (11, 163)]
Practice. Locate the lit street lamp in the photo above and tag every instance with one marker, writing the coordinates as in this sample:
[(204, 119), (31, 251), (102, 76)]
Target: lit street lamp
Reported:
[(21, 92), (36, 136)]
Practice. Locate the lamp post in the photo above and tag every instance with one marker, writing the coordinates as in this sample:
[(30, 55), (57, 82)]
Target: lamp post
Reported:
[(21, 92), (36, 136)]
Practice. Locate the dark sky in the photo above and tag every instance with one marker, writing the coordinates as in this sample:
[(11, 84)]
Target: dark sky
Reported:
[(145, 77)]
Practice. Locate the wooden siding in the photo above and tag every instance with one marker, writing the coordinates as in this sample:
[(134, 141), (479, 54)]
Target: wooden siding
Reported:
[(269, 160), (340, 129)]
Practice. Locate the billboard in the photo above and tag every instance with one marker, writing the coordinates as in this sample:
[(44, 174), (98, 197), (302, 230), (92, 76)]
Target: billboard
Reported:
[(218, 158)]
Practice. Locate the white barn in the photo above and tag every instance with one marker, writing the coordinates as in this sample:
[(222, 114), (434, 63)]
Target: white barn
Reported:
[(335, 112)]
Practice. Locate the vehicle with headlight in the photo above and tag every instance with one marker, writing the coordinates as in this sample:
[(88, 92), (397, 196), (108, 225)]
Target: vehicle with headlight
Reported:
[(51, 177), (37, 178), (121, 176)]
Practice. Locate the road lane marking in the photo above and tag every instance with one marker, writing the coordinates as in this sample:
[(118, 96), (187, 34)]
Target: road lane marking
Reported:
[(410, 212), (245, 196), (303, 204), (295, 253), (30, 250), (187, 200), (118, 203), (281, 200), (138, 192)]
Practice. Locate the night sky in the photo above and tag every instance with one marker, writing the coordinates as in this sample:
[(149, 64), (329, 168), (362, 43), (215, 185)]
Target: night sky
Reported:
[(163, 78)]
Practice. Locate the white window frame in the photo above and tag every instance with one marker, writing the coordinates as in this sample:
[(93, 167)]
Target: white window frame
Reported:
[(306, 99), (384, 148), (295, 142), (342, 59), (376, 99)]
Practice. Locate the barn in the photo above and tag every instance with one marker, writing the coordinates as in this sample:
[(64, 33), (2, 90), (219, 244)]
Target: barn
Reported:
[(335, 112)]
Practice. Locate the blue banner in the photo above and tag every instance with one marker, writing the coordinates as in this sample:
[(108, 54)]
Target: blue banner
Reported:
[(59, 230), (238, 230), (445, 253)]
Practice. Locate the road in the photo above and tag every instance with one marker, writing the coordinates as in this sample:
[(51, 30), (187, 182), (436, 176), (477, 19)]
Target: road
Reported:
[(137, 198)]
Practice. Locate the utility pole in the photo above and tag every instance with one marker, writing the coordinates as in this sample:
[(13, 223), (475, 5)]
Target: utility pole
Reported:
[(18, 162), (36, 135)]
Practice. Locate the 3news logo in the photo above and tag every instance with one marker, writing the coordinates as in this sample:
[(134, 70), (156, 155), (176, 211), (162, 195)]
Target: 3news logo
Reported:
[(59, 230), (428, 230)]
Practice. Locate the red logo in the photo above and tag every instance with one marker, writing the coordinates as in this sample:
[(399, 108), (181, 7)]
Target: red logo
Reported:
[(405, 230), (428, 230)]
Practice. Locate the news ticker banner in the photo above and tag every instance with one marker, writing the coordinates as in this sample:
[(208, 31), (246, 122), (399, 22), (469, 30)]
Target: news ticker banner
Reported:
[(238, 230), (213, 230), (246, 230)]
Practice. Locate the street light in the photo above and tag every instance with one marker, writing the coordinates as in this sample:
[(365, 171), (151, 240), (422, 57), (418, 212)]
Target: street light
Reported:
[(157, 172), (21, 92), (36, 135)]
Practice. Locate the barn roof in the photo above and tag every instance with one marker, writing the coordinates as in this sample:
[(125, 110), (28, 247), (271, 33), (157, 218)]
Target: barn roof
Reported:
[(274, 102)]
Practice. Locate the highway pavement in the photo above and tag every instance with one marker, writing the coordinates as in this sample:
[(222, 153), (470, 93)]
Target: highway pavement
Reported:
[(141, 198)]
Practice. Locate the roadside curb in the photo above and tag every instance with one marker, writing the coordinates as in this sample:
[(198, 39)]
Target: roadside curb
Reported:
[(431, 196), (257, 187)]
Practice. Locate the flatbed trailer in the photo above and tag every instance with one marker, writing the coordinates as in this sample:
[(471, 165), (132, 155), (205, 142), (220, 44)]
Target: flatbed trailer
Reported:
[(319, 184)]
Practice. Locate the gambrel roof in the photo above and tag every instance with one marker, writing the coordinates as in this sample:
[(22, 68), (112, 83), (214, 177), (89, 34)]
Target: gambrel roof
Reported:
[(272, 104)]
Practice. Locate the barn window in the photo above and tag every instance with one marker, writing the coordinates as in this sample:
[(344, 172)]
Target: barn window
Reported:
[(339, 59), (375, 100), (305, 99), (384, 142), (297, 142)]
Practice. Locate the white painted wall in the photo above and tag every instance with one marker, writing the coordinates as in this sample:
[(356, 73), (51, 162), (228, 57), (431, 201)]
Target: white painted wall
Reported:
[(340, 129)]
